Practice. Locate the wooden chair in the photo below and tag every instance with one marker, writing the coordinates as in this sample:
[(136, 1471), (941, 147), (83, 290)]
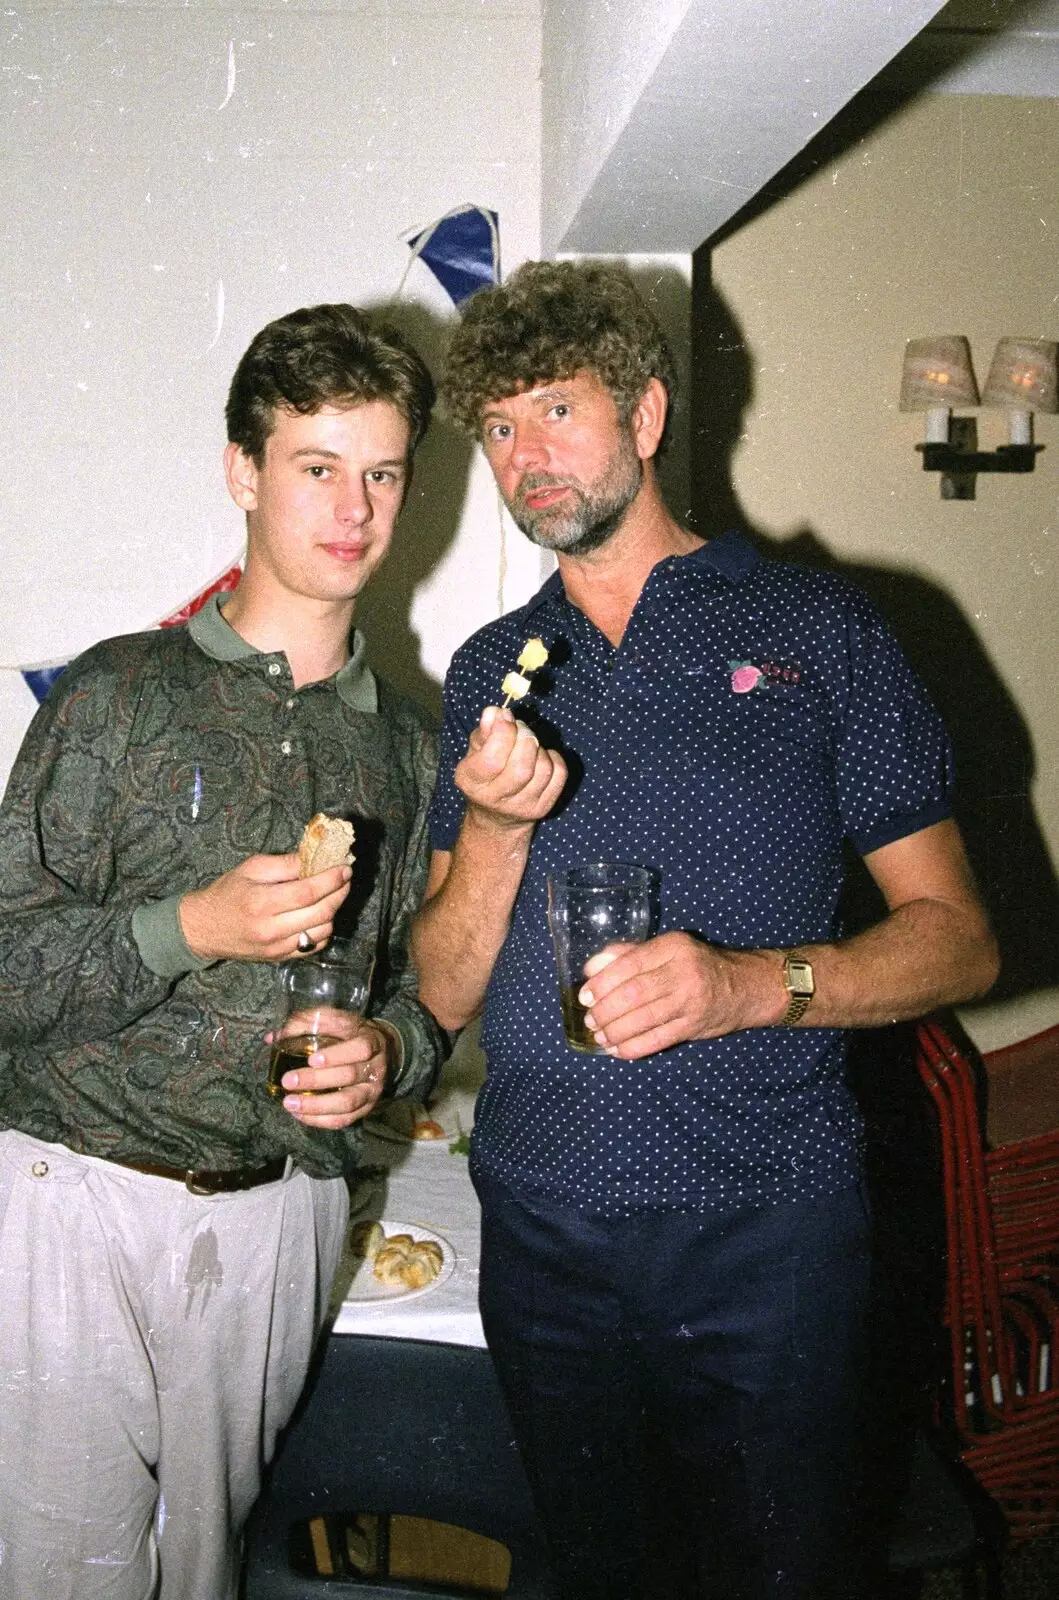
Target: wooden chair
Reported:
[(395, 1427)]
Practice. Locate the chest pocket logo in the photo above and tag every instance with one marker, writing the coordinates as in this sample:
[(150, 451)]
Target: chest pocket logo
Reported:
[(773, 671)]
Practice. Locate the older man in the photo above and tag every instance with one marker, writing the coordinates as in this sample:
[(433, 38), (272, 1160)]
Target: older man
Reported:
[(674, 1257)]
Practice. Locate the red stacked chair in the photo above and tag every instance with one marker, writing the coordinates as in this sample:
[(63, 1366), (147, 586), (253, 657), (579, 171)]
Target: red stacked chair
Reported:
[(1002, 1292)]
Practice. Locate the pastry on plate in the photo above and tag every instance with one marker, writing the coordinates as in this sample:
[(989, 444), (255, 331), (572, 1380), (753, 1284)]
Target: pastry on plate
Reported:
[(427, 1128), (407, 1263), (430, 1250), (409, 1119), (390, 1264)]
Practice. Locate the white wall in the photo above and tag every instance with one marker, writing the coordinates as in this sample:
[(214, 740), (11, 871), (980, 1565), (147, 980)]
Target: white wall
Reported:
[(172, 176), (599, 56)]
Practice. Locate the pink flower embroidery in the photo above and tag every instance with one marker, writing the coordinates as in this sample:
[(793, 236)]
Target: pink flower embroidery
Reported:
[(745, 677)]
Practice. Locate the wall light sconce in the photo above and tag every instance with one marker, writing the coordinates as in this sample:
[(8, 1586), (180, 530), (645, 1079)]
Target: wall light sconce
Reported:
[(1022, 379), (938, 375)]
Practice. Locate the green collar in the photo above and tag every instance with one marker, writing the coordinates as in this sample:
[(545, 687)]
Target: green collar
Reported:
[(354, 683)]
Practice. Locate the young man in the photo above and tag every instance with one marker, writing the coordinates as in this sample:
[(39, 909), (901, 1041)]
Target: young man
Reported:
[(674, 1243), (169, 1232)]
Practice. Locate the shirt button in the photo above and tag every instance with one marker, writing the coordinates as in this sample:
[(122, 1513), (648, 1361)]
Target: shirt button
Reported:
[(39, 1169), (286, 747), (274, 669)]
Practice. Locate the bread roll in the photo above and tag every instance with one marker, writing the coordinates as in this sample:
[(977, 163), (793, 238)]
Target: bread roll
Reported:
[(417, 1272), (407, 1262), (366, 1239), (390, 1264), (427, 1129), (326, 842)]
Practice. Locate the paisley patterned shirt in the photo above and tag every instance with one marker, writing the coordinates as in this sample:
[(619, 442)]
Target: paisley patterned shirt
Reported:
[(158, 762)]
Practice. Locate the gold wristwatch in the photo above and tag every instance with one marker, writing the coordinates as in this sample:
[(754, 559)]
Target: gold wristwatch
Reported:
[(798, 976)]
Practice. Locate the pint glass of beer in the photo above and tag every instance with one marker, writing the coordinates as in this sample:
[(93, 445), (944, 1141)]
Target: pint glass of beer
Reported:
[(319, 1001), (589, 907)]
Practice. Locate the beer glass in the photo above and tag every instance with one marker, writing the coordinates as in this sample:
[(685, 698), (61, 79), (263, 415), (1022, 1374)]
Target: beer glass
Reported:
[(601, 903), (319, 1001)]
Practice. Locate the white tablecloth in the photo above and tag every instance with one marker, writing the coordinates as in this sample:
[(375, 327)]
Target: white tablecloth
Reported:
[(423, 1184)]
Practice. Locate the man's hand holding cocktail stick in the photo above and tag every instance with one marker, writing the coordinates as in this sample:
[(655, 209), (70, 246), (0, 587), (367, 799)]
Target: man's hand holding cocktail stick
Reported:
[(507, 775), (510, 782)]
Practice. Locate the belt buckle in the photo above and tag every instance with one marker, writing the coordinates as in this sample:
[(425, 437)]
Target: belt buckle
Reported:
[(194, 1185)]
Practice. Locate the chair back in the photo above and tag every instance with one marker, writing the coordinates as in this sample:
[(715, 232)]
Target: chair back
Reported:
[(1002, 1295), (398, 1427)]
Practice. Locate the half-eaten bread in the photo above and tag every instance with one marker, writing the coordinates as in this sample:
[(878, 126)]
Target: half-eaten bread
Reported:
[(326, 842)]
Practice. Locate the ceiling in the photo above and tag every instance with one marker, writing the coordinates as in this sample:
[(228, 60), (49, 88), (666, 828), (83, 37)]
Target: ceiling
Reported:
[(662, 122)]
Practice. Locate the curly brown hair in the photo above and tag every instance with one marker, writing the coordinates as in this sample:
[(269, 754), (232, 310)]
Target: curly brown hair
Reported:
[(550, 320), (320, 356)]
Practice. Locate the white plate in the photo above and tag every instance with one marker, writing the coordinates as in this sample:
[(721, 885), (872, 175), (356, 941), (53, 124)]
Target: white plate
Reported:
[(391, 1135), (387, 1125), (366, 1288)]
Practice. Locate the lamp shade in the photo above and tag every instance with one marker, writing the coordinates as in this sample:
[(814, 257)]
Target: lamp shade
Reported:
[(938, 372), (1022, 376)]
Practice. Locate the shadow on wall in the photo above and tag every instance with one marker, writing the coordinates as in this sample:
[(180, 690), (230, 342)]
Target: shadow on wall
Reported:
[(427, 528), (994, 754), (666, 292)]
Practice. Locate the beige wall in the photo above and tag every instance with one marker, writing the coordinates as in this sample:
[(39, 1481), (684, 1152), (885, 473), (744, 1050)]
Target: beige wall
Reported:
[(171, 177), (944, 219)]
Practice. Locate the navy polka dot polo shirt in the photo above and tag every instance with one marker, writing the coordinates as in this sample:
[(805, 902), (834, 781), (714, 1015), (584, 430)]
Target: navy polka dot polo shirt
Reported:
[(754, 716)]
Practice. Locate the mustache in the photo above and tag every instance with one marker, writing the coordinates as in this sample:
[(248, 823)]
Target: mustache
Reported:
[(543, 480)]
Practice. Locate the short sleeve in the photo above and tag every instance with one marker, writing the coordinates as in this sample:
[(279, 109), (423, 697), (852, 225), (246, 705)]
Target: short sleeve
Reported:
[(894, 764)]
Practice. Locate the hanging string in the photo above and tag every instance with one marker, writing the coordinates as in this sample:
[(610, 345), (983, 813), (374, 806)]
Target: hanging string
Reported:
[(417, 240), (501, 576)]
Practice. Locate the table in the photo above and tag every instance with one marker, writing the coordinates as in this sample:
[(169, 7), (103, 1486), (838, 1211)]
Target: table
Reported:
[(402, 1415), (424, 1184)]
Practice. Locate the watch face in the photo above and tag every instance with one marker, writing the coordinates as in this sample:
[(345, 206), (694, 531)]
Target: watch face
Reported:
[(799, 977)]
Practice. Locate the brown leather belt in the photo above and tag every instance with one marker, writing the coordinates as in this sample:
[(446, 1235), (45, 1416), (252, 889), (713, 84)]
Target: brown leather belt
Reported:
[(227, 1181)]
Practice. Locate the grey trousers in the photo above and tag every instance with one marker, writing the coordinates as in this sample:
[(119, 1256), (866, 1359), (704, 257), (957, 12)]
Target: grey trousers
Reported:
[(152, 1345)]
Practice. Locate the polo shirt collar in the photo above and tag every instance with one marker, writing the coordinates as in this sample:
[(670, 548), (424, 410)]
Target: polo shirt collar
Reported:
[(731, 554), (354, 683)]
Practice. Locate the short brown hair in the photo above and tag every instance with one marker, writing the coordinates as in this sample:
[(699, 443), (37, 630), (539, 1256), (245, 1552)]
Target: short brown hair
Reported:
[(550, 320), (321, 356)]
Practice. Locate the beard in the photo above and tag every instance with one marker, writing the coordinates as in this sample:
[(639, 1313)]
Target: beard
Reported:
[(588, 514)]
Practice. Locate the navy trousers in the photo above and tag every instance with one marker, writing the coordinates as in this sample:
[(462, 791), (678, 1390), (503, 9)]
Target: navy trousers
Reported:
[(685, 1392)]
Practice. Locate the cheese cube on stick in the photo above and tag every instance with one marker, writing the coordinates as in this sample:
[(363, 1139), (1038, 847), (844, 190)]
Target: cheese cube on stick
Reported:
[(534, 655), (515, 685)]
